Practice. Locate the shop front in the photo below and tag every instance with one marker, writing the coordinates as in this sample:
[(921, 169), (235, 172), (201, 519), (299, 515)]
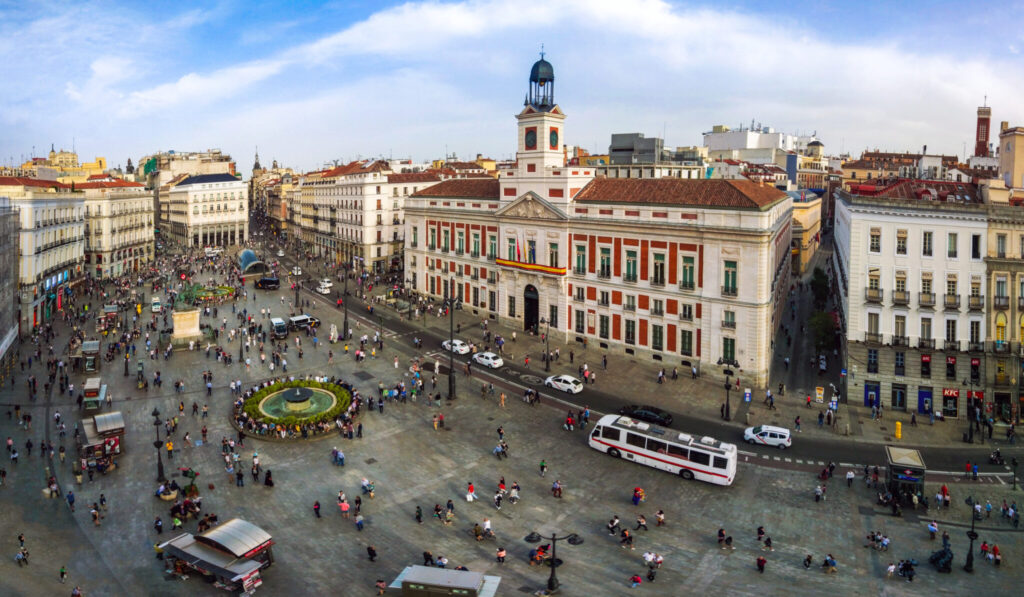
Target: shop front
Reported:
[(924, 401), (230, 555), (872, 391), (950, 402), (904, 475), (102, 443)]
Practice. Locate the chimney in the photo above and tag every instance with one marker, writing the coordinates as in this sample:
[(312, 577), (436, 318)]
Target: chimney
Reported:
[(1004, 125)]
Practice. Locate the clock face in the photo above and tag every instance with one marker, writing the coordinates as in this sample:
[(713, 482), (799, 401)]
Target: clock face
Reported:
[(531, 139), (554, 139)]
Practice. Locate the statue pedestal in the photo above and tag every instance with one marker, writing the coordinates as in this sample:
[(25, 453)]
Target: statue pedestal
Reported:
[(186, 327)]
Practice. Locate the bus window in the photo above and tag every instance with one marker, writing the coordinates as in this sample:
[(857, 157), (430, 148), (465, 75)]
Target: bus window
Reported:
[(655, 446), (721, 463), (636, 440), (610, 433), (700, 457), (679, 451)]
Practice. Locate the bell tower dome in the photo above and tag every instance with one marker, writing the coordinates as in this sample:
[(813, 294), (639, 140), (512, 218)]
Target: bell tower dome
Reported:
[(540, 123)]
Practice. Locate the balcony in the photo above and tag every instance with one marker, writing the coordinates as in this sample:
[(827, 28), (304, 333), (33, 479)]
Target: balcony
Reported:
[(578, 298), (629, 307), (659, 282), (1001, 379), (430, 266), (459, 252), (492, 278), (975, 302), (491, 257), (900, 341), (474, 277), (1020, 303), (604, 274), (926, 343), (659, 311), (951, 345), (873, 295), (474, 254), (686, 285), (413, 245), (731, 325), (976, 347), (1001, 303), (602, 302), (900, 297), (951, 301), (1000, 347), (458, 272), (729, 291), (926, 299), (872, 338), (629, 278), (579, 271), (444, 249), (683, 316)]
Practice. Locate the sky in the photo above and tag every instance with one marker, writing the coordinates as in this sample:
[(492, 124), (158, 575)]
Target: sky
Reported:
[(311, 82)]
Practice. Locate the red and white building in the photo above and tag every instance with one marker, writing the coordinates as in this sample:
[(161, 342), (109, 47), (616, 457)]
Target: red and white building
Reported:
[(683, 271)]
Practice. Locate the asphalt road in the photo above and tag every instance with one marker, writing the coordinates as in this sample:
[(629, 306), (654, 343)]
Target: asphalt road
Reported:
[(510, 376)]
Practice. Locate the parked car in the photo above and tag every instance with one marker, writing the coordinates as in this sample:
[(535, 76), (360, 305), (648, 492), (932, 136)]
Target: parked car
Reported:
[(768, 435), (280, 253), (650, 414), (489, 359), (296, 271), (822, 363), (326, 282), (323, 289), (457, 346), (565, 383), (268, 283)]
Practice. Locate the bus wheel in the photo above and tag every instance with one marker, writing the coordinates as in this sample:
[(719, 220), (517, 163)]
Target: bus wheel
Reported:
[(613, 453), (686, 474)]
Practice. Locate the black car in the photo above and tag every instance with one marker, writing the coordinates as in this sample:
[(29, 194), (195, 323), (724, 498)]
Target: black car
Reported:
[(268, 283), (651, 414)]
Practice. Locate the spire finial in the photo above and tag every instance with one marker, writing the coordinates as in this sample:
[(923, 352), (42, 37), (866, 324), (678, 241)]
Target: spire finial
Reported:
[(542, 51)]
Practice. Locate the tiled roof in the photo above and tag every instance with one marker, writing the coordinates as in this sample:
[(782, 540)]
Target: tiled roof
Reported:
[(357, 167), (464, 166), (476, 188), (109, 184), (98, 176), (208, 178), (413, 177), (912, 188), (675, 191), (23, 181)]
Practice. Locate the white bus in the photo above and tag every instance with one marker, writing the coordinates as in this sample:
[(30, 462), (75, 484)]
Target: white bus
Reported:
[(705, 459)]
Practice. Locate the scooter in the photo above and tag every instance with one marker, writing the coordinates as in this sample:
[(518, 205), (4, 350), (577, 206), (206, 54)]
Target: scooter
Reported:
[(995, 458)]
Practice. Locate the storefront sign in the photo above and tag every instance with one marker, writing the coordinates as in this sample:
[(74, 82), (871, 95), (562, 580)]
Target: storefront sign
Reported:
[(950, 392)]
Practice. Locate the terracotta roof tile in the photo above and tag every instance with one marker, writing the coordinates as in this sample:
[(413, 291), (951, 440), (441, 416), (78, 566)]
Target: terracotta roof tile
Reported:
[(414, 177), (23, 181), (674, 191), (477, 188), (109, 184)]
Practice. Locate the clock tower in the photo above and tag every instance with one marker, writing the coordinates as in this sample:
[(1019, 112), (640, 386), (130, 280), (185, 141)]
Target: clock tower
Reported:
[(540, 123)]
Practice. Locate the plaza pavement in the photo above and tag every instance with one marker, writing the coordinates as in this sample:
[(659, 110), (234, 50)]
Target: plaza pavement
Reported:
[(414, 465)]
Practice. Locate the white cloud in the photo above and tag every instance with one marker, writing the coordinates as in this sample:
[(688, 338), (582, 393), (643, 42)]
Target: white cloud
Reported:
[(421, 75)]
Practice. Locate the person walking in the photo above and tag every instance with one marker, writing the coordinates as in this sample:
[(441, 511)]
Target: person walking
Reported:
[(316, 508), (543, 467), (63, 574), (371, 553)]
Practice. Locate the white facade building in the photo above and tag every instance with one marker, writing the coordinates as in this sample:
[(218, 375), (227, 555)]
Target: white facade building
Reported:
[(119, 225), (910, 274), (209, 210)]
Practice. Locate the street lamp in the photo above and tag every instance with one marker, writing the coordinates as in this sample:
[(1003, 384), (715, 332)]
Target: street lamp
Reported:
[(160, 478), (547, 344), (969, 565), (727, 414), (973, 413), (572, 538), (450, 291), (1013, 464), (380, 342), (241, 355)]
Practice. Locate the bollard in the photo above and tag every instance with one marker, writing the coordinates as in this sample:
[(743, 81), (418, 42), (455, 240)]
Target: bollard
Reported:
[(847, 430), (899, 430), (747, 417)]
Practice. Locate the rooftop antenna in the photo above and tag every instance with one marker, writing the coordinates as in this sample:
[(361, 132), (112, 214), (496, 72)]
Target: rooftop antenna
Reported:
[(542, 51), (984, 104)]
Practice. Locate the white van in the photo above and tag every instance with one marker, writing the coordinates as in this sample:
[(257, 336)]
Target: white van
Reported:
[(155, 305), (279, 327), (768, 435), (299, 322)]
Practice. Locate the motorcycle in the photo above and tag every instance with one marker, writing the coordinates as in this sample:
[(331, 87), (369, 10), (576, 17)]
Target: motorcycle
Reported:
[(996, 458)]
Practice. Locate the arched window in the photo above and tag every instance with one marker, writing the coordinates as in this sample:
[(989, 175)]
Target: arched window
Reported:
[(1000, 327)]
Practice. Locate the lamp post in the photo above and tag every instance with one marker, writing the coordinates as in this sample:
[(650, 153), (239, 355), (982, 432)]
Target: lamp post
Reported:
[(158, 444), (1013, 465), (572, 538), (969, 564), (380, 343), (547, 344), (450, 291), (727, 414), (972, 412), (241, 355)]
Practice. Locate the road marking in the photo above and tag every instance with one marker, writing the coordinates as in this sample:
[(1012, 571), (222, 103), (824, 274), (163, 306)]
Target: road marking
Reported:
[(776, 458), (745, 453), (821, 463), (848, 464), (789, 460), (798, 461), (766, 457)]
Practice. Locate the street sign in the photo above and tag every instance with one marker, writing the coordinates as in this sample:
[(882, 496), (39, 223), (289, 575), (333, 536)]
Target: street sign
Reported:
[(746, 394), (843, 373), (819, 395)]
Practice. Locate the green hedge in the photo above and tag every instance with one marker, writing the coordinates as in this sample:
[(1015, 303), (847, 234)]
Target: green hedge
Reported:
[(342, 396)]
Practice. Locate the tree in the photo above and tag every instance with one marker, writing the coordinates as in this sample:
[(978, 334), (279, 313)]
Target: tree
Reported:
[(823, 329), (820, 286)]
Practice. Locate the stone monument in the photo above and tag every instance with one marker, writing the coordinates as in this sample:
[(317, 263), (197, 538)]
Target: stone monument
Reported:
[(186, 317)]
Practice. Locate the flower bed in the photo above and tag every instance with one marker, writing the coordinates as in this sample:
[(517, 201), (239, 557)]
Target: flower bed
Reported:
[(209, 293)]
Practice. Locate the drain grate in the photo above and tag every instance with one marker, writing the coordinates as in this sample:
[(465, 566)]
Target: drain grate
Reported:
[(370, 461), (866, 510), (363, 375)]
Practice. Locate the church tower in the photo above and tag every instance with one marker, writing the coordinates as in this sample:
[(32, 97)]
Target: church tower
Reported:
[(256, 168)]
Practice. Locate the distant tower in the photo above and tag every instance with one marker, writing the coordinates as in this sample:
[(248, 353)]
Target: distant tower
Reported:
[(981, 137), (256, 166), (129, 169)]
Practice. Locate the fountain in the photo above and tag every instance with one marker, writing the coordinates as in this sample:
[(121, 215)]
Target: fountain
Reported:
[(299, 402)]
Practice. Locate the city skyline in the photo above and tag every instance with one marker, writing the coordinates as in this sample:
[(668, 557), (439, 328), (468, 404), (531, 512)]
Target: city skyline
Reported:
[(312, 82)]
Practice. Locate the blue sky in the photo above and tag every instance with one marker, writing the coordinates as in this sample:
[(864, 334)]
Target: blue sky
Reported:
[(311, 81)]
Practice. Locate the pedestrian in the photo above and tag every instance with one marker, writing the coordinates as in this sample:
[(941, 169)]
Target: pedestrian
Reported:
[(796, 422), (635, 580), (419, 515), (359, 522), (63, 574), (371, 553), (500, 555), (381, 586), (158, 525), (659, 518), (641, 521), (761, 564), (71, 499), (316, 508)]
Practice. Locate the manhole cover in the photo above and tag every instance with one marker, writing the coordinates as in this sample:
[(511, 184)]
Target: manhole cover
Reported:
[(370, 460), (363, 375), (882, 427), (530, 379), (490, 418), (866, 510)]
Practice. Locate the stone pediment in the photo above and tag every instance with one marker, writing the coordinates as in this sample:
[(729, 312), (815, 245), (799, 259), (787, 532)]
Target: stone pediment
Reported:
[(532, 206)]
